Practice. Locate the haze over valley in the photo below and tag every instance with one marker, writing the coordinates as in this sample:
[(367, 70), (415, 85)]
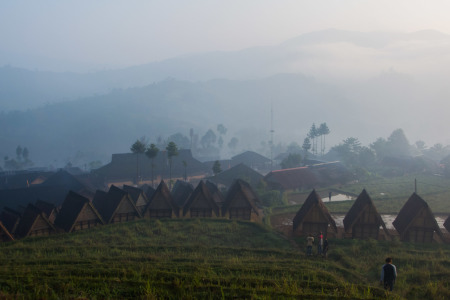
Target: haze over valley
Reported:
[(363, 83)]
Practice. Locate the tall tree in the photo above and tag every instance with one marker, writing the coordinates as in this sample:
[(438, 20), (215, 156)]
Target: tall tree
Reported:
[(233, 143), (306, 146), (216, 168), (19, 152), (208, 139), (151, 153), (172, 150), (313, 133), (222, 130), (138, 147), (324, 131), (292, 161)]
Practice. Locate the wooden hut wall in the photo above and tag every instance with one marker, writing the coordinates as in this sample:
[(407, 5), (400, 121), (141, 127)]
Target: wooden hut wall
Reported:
[(159, 208), (241, 209), (367, 225), (200, 208), (88, 218), (315, 222), (41, 227), (421, 229), (125, 212), (5, 236)]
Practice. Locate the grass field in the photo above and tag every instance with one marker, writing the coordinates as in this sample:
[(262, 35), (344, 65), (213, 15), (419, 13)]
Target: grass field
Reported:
[(199, 258)]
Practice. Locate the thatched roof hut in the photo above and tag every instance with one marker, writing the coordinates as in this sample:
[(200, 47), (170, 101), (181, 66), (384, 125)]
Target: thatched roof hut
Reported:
[(240, 202), (115, 206), (10, 219), (50, 210), (215, 193), (447, 224), (181, 192), (201, 203), (5, 236), (415, 222), (161, 204), (77, 213), (34, 222), (313, 217), (363, 220), (138, 196)]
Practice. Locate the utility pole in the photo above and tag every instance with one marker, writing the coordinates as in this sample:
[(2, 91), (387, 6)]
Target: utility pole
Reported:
[(271, 136)]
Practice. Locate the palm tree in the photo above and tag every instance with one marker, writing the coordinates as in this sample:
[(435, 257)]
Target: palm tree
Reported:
[(172, 150), (324, 130), (313, 133), (151, 153), (138, 147)]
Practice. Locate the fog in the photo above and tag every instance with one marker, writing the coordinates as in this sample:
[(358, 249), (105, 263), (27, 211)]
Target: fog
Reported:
[(364, 67)]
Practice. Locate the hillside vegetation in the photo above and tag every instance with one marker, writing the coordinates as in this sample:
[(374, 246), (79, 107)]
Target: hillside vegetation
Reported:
[(200, 258)]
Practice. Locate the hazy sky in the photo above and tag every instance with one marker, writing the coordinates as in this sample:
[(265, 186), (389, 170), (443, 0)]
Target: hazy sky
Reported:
[(114, 33)]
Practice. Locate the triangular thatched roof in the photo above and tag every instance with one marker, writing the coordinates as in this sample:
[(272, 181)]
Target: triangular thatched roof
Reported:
[(361, 204), (137, 195), (447, 224), (107, 204), (215, 193), (32, 218), (240, 171), (240, 191), (413, 207), (10, 219), (5, 236), (201, 198), (72, 207), (181, 192), (49, 209), (310, 202), (161, 199)]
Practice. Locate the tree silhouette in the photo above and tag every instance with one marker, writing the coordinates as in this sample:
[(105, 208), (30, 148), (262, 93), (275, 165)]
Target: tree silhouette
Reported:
[(151, 153), (313, 133), (137, 148), (216, 168), (306, 146), (323, 131), (172, 150)]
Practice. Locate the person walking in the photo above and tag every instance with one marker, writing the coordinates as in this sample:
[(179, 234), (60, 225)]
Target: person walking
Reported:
[(388, 274), (320, 243), (309, 244), (325, 248)]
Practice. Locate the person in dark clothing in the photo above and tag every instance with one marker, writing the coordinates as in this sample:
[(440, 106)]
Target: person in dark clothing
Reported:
[(388, 274), (325, 248)]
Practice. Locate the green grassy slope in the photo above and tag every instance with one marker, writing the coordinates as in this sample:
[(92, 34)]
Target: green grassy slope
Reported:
[(198, 258)]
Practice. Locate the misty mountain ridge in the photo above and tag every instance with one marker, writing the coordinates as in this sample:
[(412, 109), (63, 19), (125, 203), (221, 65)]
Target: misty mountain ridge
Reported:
[(93, 128), (329, 55), (363, 92)]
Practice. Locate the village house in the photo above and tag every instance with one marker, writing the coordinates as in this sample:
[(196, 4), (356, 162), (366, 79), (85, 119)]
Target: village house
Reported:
[(77, 213), (239, 171), (116, 206), (10, 219), (161, 204), (313, 217), (181, 191), (133, 168), (34, 222), (5, 236), (240, 203), (363, 220), (201, 204), (138, 196), (416, 223)]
